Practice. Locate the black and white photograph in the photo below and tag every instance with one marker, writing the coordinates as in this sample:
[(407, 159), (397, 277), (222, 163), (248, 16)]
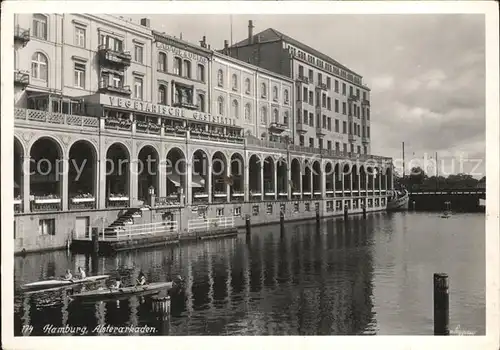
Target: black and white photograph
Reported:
[(279, 168)]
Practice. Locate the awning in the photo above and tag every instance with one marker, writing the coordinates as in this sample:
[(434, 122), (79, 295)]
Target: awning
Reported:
[(175, 179), (197, 181)]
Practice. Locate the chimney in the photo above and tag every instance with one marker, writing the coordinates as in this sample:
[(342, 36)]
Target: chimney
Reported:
[(250, 32), (146, 22), (203, 42), (226, 47)]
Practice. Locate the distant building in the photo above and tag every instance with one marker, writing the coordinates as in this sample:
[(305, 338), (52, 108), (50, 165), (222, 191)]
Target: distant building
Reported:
[(332, 103)]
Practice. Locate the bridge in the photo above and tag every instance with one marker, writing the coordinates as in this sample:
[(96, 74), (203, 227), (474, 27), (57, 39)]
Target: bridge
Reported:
[(461, 199)]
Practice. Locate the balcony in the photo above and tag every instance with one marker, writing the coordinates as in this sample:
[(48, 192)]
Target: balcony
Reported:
[(301, 128), (21, 35), (105, 86), (23, 115), (302, 79), (352, 137), (365, 103), (320, 131), (21, 78), (365, 139), (186, 105), (353, 97), (121, 58), (277, 127), (322, 86)]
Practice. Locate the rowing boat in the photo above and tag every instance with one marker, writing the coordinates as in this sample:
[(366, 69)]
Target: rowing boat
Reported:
[(57, 283), (102, 294)]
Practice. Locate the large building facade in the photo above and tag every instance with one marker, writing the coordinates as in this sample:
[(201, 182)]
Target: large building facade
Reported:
[(109, 113), (332, 103)]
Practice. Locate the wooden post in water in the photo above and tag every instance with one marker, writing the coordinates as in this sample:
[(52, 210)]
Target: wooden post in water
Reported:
[(95, 240), (247, 225), (161, 305), (364, 211), (282, 223), (441, 304), (346, 212)]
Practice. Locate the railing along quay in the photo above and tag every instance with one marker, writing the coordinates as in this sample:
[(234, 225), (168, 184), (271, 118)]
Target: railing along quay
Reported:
[(125, 125)]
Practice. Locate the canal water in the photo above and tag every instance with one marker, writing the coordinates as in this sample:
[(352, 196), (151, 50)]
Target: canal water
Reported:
[(370, 276)]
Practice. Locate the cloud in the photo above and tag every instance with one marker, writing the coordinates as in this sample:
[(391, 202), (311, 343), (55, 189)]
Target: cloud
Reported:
[(383, 83)]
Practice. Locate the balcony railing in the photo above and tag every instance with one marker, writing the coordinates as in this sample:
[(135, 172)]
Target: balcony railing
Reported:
[(22, 35), (114, 56), (21, 78), (275, 126), (302, 79), (186, 105), (301, 127), (352, 137), (147, 127), (365, 139), (105, 86), (322, 86), (118, 124), (353, 97), (55, 118), (320, 131), (365, 103)]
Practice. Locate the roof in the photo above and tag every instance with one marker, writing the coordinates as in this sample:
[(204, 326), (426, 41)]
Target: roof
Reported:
[(272, 35), (185, 44)]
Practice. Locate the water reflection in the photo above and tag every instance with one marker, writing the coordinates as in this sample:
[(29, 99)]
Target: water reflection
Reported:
[(363, 276)]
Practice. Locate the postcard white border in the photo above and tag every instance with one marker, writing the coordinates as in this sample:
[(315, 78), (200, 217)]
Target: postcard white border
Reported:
[(490, 9)]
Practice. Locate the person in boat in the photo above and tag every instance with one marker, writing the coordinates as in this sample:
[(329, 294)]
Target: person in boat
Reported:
[(141, 280), (81, 273), (68, 275), (117, 283)]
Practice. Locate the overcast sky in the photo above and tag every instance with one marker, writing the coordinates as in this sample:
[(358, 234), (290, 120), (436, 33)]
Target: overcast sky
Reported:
[(426, 72)]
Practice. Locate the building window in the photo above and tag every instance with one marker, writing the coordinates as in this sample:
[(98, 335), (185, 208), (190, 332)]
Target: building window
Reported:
[(201, 72), (301, 140), (367, 114), (220, 78), (247, 112), (162, 62), (80, 75), (235, 109), (311, 76), (80, 36), (111, 42), (328, 83), (364, 95), (237, 211), (329, 145), (320, 78), (329, 124), (305, 95), (307, 206), (344, 88), (311, 119), (345, 147), (337, 146), (47, 227), (187, 69), (344, 108), (247, 86), (219, 212), (351, 91), (344, 127), (285, 118), (263, 115), (39, 66), (255, 210), (234, 82), (329, 103), (220, 105), (201, 102), (311, 98), (301, 71), (40, 26), (337, 128), (336, 85), (275, 93), (138, 88), (311, 142), (139, 53), (305, 118), (276, 117), (263, 90), (336, 106), (323, 100), (286, 97), (359, 149), (296, 207), (177, 66), (162, 95), (269, 209)]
